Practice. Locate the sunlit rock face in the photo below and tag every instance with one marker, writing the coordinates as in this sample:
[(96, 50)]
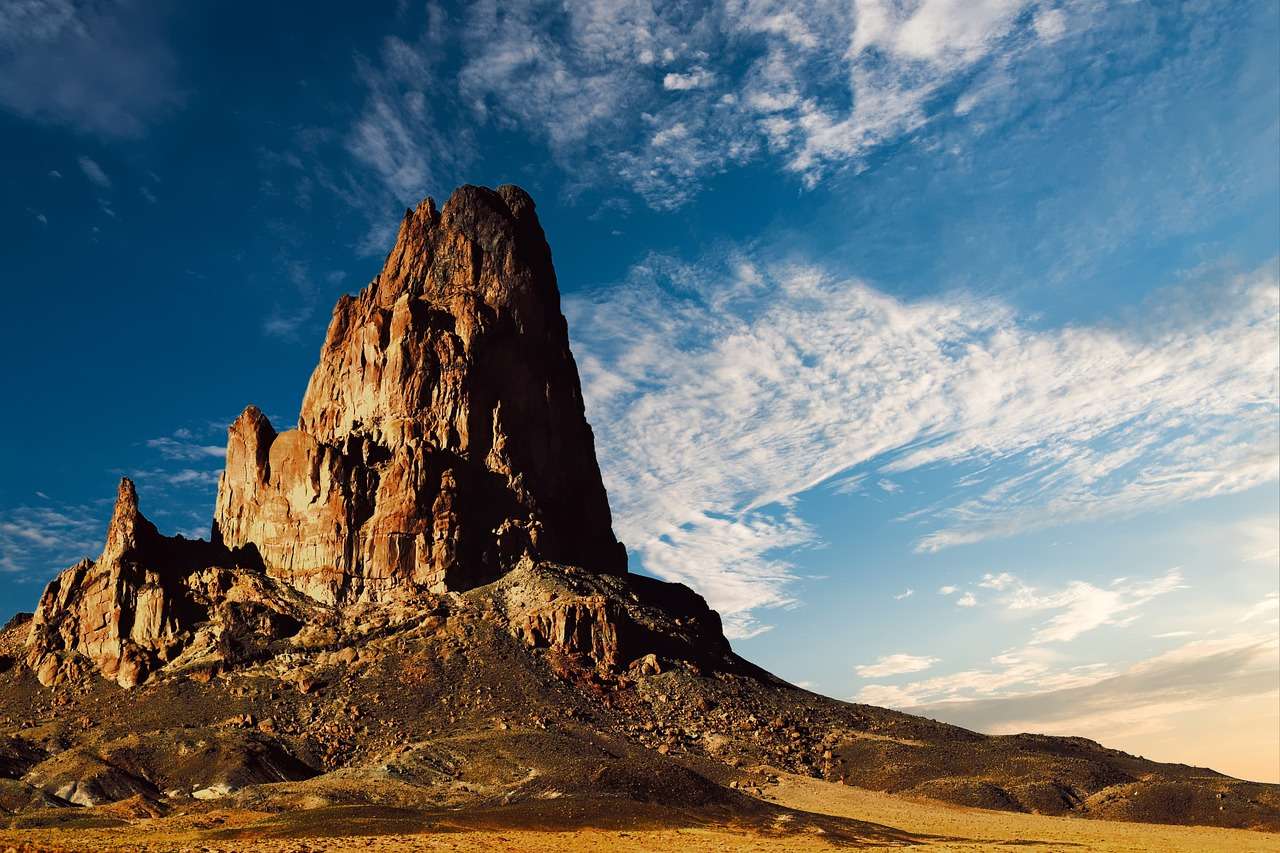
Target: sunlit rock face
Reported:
[(150, 600), (442, 444), (442, 437)]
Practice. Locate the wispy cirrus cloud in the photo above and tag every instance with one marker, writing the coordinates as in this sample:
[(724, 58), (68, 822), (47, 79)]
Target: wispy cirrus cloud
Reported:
[(1157, 706), (94, 172), (1081, 606), (287, 319), (663, 97), (46, 535), (1014, 672), (897, 664), (163, 478), (1269, 606), (722, 394), (406, 133), (182, 445)]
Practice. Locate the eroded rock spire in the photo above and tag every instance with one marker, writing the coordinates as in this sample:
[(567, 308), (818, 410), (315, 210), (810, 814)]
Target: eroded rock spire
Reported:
[(442, 437)]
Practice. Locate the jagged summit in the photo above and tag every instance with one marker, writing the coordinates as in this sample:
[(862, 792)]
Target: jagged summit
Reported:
[(442, 436), (128, 530)]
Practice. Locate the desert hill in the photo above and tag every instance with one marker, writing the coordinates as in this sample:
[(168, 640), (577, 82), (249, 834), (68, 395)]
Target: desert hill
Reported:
[(414, 602)]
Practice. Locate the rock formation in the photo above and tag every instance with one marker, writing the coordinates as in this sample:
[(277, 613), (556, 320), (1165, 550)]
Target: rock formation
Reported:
[(442, 436), (442, 442), (149, 598)]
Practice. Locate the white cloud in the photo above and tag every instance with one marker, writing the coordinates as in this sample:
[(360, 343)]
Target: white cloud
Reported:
[(888, 486), (695, 78), (181, 447), (161, 478), (898, 664), (848, 485), (936, 31), (906, 593), (1258, 540), (94, 172), (1268, 606), (818, 86), (286, 321), (967, 600), (720, 394), (1004, 580), (44, 539), (1050, 24), (1083, 607), (399, 134), (285, 324), (947, 590), (1014, 672)]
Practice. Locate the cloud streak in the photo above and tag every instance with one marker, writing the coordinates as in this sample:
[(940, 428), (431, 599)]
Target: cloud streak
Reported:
[(94, 172), (47, 536), (662, 97), (898, 664), (1156, 701), (1081, 606), (183, 448), (722, 393)]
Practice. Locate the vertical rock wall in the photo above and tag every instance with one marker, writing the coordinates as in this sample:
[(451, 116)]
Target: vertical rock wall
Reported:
[(442, 436)]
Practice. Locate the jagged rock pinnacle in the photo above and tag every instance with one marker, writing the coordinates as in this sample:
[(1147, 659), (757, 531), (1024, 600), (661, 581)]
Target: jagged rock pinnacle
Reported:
[(442, 436), (128, 530)]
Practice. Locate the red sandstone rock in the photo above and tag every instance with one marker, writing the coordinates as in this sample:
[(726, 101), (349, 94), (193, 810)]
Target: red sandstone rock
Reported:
[(442, 443), (442, 436), (146, 600)]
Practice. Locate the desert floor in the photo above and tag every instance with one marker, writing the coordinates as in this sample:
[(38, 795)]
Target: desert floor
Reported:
[(816, 816)]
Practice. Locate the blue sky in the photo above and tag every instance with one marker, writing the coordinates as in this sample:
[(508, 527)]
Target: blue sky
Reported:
[(935, 342)]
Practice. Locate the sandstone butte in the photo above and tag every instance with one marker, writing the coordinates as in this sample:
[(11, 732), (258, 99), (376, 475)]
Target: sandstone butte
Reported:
[(442, 442)]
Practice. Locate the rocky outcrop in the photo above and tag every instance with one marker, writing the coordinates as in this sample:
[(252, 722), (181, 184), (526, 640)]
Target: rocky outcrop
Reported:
[(442, 443), (611, 623), (147, 599), (442, 437)]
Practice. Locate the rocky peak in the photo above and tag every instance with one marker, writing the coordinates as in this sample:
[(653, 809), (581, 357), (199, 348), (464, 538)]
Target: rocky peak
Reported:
[(128, 531), (442, 445), (442, 437)]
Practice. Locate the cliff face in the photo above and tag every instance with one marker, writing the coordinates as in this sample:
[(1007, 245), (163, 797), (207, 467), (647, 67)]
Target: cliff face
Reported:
[(442, 437), (442, 445), (149, 600)]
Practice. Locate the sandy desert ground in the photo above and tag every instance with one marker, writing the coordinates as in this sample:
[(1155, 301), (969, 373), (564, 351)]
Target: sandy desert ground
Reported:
[(863, 819)]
